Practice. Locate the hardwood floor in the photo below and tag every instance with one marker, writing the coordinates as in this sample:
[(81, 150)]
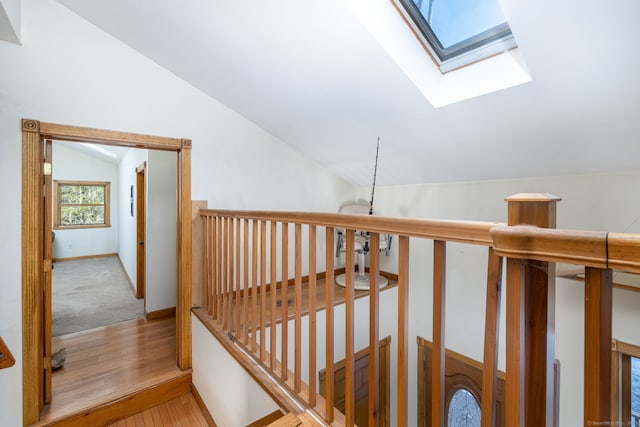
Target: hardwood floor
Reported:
[(182, 411), (106, 363)]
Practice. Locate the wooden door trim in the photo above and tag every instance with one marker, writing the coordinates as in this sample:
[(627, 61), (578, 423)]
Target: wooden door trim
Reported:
[(141, 225), (33, 132)]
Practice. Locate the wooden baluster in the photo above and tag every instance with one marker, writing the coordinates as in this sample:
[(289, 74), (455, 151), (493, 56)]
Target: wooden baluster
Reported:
[(212, 238), (245, 297), (297, 359), (254, 284), (438, 349), (231, 283), (491, 332), (273, 296), (312, 315), (597, 346), (225, 276), (329, 304), (284, 357), (206, 239), (220, 268), (403, 319), (263, 284), (349, 388), (374, 330), (238, 333)]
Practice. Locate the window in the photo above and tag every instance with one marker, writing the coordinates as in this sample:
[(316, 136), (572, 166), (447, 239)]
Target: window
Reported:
[(464, 410), (626, 384), (81, 204), (460, 32)]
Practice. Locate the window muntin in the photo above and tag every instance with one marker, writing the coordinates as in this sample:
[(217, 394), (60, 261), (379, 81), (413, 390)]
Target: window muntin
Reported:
[(81, 204), (462, 31)]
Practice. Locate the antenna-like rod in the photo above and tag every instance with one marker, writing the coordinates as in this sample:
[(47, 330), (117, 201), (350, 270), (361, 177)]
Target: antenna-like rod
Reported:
[(375, 172)]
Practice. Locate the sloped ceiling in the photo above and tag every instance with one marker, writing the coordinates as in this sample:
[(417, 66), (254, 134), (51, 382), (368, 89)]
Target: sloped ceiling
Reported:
[(312, 75)]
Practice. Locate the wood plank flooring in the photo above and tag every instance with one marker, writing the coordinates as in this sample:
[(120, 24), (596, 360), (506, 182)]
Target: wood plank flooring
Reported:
[(105, 363), (182, 411)]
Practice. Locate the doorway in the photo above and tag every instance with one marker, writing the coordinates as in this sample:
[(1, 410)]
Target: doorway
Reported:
[(36, 262)]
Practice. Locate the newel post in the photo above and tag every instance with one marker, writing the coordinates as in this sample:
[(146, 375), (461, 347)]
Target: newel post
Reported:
[(530, 321)]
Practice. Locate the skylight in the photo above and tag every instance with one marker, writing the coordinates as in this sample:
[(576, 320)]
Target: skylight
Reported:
[(460, 32)]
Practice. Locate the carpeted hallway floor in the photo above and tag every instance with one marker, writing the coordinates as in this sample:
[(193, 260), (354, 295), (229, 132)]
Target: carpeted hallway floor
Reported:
[(90, 293)]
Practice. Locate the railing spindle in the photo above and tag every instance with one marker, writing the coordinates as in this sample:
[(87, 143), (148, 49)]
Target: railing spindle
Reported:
[(491, 332), (374, 330), (329, 310), (312, 315), (232, 281), (403, 318), (597, 346), (206, 240), (212, 228), (238, 333), (284, 372), (514, 382), (254, 284), (225, 277), (297, 360), (263, 294), (438, 349), (219, 269), (349, 388), (273, 296), (245, 296)]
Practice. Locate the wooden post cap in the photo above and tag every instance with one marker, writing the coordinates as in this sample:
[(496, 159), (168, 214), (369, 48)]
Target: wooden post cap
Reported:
[(533, 197)]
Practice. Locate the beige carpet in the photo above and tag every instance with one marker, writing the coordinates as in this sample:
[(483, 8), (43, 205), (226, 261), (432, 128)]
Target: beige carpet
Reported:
[(90, 293)]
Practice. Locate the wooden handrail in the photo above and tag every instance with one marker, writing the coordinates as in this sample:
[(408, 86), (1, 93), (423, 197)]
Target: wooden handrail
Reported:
[(472, 232)]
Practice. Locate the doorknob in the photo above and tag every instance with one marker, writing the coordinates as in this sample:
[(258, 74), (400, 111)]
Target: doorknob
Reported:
[(141, 242)]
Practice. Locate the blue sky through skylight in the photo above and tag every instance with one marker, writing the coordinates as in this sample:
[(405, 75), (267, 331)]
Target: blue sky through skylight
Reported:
[(453, 21)]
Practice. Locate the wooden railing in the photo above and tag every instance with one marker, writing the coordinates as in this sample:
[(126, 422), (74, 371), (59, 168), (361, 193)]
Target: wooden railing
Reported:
[(247, 261)]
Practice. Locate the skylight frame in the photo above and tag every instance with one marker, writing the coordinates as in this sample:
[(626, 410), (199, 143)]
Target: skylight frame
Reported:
[(484, 45)]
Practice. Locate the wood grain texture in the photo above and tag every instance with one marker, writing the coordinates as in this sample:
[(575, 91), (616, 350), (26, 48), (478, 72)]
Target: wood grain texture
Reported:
[(109, 137), (624, 252), (141, 354), (182, 411), (329, 316), (474, 232), (515, 344), (374, 333), (32, 268), (183, 303), (141, 230), (403, 332), (200, 252), (491, 339), (438, 360), (597, 346), (349, 325)]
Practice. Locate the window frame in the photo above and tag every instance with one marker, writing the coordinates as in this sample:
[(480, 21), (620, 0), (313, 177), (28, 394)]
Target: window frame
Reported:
[(491, 42), (57, 184), (622, 352)]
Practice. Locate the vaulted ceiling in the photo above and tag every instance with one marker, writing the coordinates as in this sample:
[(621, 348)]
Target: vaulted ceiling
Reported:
[(310, 73)]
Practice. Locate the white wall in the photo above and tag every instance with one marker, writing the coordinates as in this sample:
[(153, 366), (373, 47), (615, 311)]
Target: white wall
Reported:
[(73, 165), (68, 71), (590, 202), (233, 397), (128, 242), (160, 287)]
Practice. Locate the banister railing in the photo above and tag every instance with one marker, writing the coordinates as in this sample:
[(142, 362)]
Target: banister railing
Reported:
[(247, 289)]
